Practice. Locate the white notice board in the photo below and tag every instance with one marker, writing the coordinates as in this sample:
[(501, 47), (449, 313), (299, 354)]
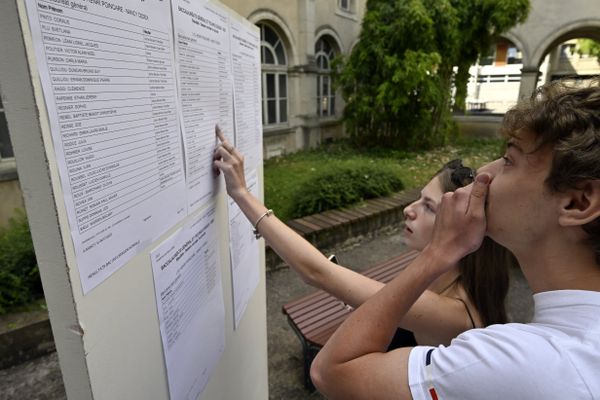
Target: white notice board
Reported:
[(113, 144)]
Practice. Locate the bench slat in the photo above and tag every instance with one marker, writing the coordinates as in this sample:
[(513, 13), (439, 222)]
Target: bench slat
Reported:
[(317, 315), (382, 272)]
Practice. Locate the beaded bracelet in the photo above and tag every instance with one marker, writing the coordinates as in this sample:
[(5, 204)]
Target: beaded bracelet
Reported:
[(257, 234)]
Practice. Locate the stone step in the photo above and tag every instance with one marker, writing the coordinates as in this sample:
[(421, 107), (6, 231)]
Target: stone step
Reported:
[(333, 227)]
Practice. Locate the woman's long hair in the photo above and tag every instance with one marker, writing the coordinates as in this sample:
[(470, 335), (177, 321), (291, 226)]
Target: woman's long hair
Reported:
[(484, 274)]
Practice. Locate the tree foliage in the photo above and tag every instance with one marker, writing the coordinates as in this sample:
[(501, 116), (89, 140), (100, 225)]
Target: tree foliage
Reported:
[(589, 47), (481, 22), (397, 80), (19, 276)]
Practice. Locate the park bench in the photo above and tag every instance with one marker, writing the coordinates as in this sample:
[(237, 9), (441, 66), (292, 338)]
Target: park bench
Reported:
[(316, 316)]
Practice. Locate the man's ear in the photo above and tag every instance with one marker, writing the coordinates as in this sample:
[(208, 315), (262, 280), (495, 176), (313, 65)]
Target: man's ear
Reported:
[(580, 206)]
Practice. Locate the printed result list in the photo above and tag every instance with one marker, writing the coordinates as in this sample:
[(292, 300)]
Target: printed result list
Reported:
[(114, 90)]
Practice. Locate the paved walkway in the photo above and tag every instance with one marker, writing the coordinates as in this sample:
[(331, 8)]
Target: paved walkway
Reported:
[(41, 380)]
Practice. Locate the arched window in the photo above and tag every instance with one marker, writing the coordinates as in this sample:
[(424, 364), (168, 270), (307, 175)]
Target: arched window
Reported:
[(324, 54), (345, 5), (274, 76)]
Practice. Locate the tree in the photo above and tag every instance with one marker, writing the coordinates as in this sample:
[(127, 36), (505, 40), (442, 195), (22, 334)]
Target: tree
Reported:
[(589, 47), (481, 22), (397, 80)]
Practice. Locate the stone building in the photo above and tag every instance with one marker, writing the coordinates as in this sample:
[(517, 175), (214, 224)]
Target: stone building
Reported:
[(299, 40), (496, 79)]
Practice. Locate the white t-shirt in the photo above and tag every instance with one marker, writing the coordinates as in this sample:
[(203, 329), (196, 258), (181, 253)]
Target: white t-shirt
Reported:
[(556, 356)]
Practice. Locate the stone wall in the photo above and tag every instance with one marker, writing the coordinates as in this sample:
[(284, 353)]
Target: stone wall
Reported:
[(11, 197)]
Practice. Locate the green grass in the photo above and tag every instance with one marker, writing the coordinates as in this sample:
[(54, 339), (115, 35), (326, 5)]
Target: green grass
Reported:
[(285, 176)]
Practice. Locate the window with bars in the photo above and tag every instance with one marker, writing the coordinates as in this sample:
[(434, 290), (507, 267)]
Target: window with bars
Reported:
[(324, 54), (344, 5), (274, 77), (488, 57), (514, 55), (6, 150)]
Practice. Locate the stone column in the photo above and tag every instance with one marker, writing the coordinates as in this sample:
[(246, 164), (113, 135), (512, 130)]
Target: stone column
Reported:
[(529, 78), (304, 75)]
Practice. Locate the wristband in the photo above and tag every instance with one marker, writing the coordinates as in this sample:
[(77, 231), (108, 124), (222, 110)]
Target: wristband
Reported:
[(257, 234)]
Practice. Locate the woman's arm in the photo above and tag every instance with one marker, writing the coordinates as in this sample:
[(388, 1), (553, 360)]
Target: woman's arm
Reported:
[(433, 318), (312, 266)]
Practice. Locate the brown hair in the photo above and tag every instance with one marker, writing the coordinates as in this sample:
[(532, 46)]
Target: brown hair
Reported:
[(484, 274), (565, 116)]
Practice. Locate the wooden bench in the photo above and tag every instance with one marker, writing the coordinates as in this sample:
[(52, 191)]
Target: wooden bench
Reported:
[(316, 316)]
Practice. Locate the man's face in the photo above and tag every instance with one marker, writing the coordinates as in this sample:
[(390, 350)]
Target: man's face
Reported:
[(520, 209)]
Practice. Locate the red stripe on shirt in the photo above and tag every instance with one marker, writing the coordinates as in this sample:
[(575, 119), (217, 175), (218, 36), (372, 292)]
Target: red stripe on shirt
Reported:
[(433, 394)]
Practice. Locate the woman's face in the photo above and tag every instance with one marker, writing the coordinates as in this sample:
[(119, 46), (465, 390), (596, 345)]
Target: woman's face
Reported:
[(420, 215)]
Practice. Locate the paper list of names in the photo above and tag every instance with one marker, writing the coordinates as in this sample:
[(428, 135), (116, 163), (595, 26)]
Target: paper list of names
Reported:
[(204, 71), (191, 288), (189, 299), (113, 85), (108, 79), (245, 45)]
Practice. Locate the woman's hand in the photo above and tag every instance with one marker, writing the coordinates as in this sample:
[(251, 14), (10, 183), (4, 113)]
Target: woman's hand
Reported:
[(231, 162)]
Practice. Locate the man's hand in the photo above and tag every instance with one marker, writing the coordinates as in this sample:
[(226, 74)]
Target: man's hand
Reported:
[(460, 223)]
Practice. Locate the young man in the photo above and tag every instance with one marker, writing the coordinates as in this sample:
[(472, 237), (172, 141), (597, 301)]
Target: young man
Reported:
[(542, 201)]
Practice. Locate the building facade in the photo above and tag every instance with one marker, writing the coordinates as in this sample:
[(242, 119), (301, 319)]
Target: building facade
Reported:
[(299, 40), (495, 80), (10, 191)]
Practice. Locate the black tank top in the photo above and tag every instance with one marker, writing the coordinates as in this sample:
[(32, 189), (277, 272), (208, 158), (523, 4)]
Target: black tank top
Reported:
[(402, 338)]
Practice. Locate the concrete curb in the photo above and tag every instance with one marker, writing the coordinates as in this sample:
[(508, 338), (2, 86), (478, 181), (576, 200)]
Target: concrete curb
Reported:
[(26, 343), (323, 230)]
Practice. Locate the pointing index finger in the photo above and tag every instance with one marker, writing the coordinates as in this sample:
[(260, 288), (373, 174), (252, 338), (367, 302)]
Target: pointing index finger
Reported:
[(219, 133)]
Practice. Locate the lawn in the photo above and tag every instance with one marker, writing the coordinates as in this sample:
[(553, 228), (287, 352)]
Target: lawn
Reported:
[(286, 175)]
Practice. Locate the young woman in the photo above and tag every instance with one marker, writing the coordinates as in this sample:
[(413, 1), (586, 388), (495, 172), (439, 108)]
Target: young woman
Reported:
[(469, 295)]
